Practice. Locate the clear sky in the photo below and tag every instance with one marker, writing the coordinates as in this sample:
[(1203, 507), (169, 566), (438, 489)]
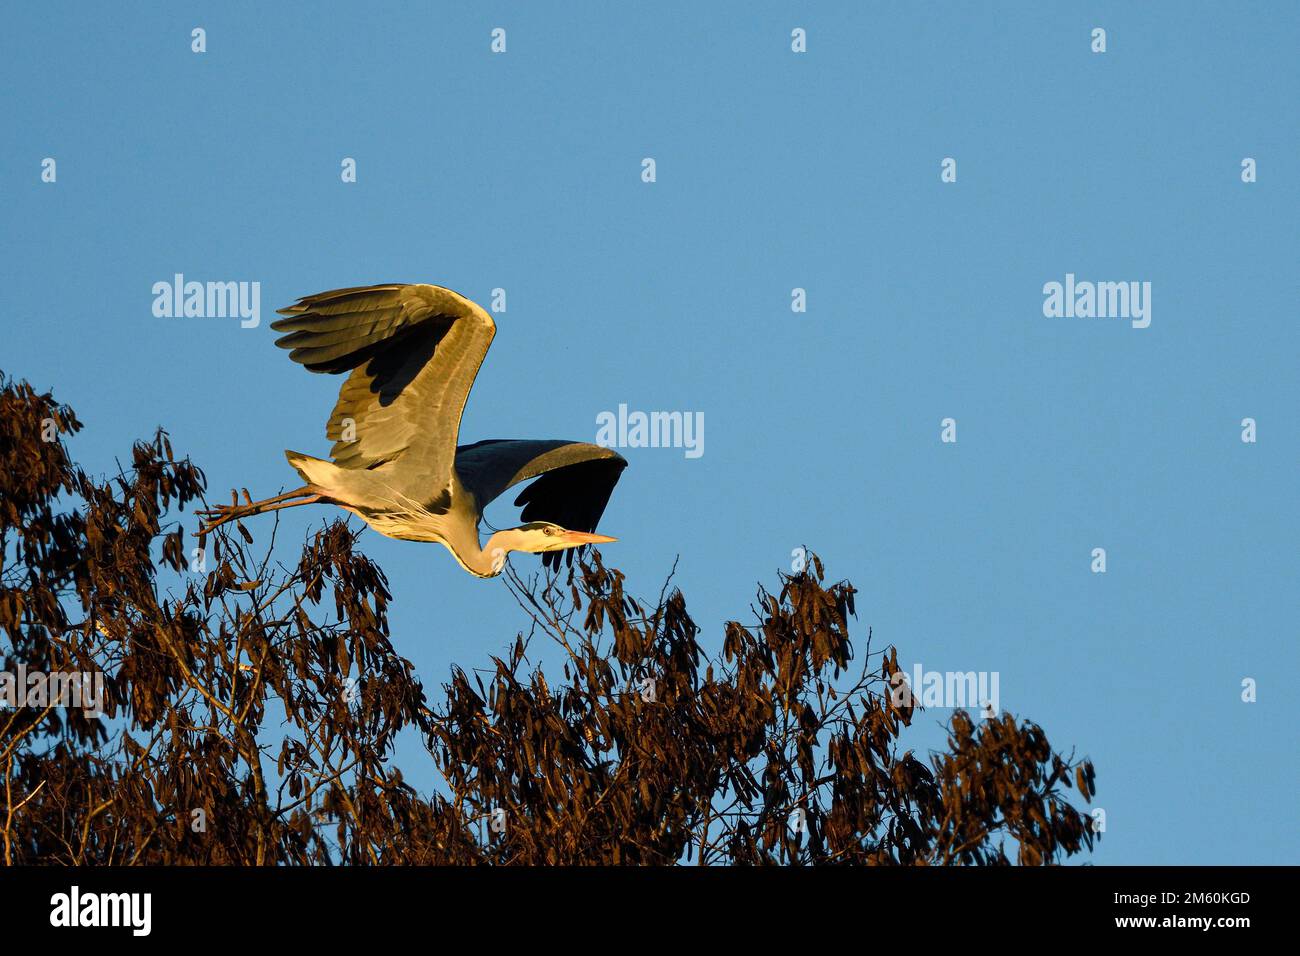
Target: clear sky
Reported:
[(775, 171)]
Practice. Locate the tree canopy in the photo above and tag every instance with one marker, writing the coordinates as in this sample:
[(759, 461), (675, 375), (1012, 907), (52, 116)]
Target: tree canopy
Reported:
[(250, 707)]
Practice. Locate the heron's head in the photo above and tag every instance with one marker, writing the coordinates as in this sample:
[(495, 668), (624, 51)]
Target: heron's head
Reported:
[(535, 537)]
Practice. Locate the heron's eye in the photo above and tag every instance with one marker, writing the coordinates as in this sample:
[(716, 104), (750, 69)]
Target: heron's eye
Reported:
[(548, 531)]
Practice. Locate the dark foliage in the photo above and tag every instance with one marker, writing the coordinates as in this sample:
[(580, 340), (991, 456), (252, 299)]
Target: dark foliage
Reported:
[(251, 709)]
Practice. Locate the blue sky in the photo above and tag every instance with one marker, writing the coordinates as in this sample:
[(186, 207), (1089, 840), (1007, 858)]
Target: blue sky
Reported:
[(775, 170)]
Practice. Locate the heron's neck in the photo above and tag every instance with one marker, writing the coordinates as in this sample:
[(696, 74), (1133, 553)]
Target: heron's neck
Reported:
[(486, 561)]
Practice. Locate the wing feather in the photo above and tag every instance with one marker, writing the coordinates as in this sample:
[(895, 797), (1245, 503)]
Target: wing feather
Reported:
[(413, 352), (574, 480)]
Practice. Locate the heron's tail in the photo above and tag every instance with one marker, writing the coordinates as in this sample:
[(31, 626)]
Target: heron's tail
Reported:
[(315, 471)]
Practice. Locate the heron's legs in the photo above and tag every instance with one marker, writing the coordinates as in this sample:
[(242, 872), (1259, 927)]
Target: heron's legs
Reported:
[(214, 518)]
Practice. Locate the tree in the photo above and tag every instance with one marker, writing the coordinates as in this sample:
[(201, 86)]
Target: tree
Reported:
[(250, 708)]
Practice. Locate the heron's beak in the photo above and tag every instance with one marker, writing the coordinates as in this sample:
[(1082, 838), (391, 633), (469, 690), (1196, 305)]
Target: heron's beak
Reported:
[(583, 537)]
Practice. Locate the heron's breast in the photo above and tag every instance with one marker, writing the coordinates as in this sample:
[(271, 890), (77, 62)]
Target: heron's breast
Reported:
[(401, 525)]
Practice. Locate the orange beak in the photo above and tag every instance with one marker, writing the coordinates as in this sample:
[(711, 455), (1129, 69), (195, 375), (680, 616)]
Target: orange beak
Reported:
[(583, 537)]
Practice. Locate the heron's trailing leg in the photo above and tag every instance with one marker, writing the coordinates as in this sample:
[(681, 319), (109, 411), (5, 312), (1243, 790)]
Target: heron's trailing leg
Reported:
[(214, 518)]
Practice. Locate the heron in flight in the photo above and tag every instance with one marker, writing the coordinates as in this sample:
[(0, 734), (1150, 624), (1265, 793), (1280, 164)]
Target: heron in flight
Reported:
[(412, 352)]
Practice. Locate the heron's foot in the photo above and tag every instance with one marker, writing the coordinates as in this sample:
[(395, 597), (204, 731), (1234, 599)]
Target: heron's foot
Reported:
[(213, 518)]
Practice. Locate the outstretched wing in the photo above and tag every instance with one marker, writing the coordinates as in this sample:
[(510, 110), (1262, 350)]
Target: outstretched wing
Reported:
[(414, 351), (575, 483)]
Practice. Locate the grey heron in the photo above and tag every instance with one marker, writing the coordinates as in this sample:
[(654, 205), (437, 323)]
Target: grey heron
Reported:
[(413, 352)]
